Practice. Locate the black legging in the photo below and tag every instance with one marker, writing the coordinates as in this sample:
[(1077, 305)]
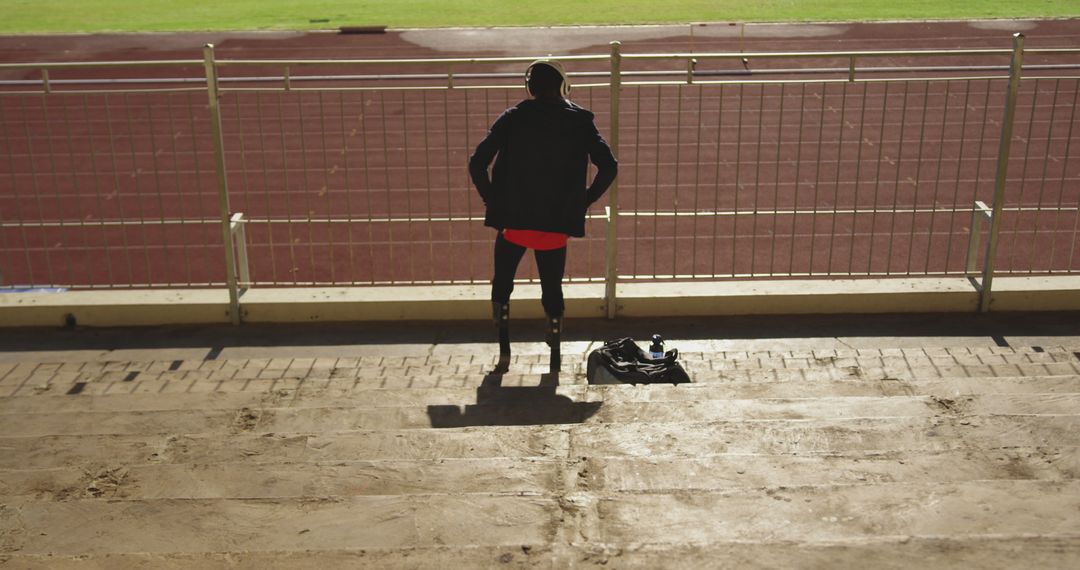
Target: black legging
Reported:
[(550, 263)]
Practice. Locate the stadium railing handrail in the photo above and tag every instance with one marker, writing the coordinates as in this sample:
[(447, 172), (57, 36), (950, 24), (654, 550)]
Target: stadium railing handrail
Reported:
[(233, 223)]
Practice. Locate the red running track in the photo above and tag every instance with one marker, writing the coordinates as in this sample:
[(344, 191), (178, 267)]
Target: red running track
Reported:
[(927, 149)]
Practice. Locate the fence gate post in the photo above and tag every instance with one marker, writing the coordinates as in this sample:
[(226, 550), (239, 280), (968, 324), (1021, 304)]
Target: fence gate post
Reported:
[(1002, 171), (611, 273), (222, 183)]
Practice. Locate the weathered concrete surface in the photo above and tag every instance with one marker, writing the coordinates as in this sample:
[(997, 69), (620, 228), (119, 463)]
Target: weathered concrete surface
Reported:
[(118, 397), (747, 471), (821, 436), (287, 480), (337, 418), (955, 454), (509, 441), (278, 378), (825, 513), (892, 553), (472, 302), (535, 475), (474, 342), (196, 525)]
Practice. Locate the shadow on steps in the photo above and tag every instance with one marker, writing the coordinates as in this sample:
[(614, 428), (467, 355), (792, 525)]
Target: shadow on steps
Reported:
[(498, 405)]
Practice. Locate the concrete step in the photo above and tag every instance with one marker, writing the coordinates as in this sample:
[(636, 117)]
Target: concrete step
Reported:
[(726, 472), (285, 479), (310, 523), (462, 371), (893, 552), (251, 369), (487, 355), (944, 552), (307, 395), (672, 473), (522, 407), (502, 442), (838, 513), (627, 440), (208, 381), (816, 514), (790, 456), (703, 439)]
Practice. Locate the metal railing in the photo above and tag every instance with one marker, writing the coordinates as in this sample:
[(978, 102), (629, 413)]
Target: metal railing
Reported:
[(733, 166)]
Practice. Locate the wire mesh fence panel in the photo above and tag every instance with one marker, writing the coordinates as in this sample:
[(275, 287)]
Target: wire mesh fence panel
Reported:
[(355, 173), (1039, 231), (108, 189), (370, 186), (805, 178)]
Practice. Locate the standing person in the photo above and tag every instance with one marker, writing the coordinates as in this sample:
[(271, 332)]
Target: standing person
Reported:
[(536, 196)]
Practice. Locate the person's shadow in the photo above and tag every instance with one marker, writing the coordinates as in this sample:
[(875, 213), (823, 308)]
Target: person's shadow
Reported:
[(498, 405)]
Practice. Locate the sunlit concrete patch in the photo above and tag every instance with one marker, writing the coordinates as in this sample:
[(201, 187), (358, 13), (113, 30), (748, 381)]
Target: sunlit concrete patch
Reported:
[(797, 296), (164, 526), (286, 480), (115, 307), (1033, 293), (825, 514), (442, 302), (518, 405)]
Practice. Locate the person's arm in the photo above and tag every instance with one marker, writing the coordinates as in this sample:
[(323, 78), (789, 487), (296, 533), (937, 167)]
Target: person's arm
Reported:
[(485, 153), (606, 167)]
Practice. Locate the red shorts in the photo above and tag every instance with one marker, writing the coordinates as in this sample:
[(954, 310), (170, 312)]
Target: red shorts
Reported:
[(535, 239)]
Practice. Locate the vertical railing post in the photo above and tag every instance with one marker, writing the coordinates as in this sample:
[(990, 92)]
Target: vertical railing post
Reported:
[(611, 274), (239, 233), (978, 212), (222, 183), (1000, 176)]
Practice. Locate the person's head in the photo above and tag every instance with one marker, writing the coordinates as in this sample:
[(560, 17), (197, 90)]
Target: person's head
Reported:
[(546, 79)]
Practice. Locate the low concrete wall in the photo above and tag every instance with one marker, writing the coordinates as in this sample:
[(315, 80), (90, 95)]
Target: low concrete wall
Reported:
[(441, 302), (797, 297), (470, 302), (115, 308), (1036, 294)]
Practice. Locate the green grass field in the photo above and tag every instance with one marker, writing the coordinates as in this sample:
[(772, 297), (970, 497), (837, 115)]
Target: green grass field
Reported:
[(36, 16)]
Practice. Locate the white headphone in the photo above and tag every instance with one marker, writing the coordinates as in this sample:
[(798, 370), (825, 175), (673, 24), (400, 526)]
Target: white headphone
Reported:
[(564, 90)]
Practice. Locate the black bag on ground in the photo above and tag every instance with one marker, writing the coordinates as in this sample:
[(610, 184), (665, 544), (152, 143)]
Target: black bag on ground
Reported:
[(623, 361)]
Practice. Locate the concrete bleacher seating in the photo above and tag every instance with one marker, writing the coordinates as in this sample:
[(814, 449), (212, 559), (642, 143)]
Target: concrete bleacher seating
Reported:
[(957, 456)]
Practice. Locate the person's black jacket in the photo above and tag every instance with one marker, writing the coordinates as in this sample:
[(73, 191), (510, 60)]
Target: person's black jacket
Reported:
[(538, 182)]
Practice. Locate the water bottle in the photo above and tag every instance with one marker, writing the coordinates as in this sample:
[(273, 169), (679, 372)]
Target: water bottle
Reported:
[(656, 349)]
